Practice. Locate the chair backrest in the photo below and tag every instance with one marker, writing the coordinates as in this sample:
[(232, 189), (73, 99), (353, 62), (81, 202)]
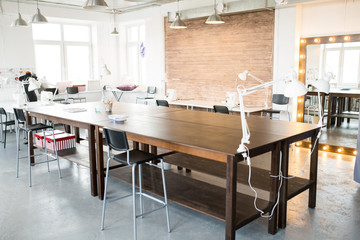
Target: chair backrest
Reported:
[(72, 90), (151, 90), (162, 103), (31, 95), (19, 115), (2, 111), (221, 109), (117, 140), (280, 99), (53, 90)]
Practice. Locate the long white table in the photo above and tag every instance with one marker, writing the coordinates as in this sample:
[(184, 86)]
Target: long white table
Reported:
[(208, 105)]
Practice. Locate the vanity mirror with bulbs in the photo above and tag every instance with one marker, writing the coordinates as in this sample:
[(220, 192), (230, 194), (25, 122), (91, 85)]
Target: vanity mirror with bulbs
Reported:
[(337, 59)]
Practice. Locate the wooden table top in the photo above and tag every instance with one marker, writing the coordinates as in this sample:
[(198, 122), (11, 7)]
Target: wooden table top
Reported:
[(204, 134)]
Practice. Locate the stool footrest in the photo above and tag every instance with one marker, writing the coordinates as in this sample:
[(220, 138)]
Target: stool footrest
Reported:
[(151, 211)]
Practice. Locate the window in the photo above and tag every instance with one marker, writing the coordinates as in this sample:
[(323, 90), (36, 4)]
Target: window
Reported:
[(136, 53), (343, 59), (63, 52)]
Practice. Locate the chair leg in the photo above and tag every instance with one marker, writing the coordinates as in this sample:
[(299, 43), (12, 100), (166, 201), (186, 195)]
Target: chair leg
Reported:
[(29, 157), (134, 200), (17, 151), (46, 152), (105, 191), (140, 192), (165, 195), (5, 137), (56, 154)]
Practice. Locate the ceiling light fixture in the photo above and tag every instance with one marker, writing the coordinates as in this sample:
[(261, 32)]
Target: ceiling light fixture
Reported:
[(38, 17), (178, 23), (281, 2), (114, 32), (19, 22), (95, 5), (215, 18)]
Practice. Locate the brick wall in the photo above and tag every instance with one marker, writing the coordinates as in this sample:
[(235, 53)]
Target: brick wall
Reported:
[(208, 58)]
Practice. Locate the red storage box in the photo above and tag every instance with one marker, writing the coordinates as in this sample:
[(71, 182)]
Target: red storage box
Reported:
[(63, 141), (39, 137)]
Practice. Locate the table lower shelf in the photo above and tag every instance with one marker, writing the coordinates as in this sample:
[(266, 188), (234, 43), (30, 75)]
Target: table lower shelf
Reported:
[(195, 194), (80, 156), (260, 177)]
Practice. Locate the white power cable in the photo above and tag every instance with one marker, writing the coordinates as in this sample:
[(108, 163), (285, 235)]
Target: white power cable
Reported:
[(280, 176)]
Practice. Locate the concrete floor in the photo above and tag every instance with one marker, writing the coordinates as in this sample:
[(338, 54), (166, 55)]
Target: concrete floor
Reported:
[(64, 209)]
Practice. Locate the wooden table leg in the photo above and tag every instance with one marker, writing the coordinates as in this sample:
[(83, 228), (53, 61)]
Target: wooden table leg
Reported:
[(67, 128), (274, 185), (313, 171), (92, 159), (230, 208), (136, 145), (144, 147), (329, 112), (153, 150), (284, 188), (30, 140), (77, 134), (100, 163)]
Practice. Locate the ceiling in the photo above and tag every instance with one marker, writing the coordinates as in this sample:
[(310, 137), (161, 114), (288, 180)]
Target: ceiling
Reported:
[(119, 5)]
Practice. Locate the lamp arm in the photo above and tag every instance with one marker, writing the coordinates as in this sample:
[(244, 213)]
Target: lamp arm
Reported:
[(320, 111), (244, 126), (256, 78), (248, 91)]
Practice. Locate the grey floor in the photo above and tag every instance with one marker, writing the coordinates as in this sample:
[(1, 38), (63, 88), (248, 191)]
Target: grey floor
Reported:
[(64, 209)]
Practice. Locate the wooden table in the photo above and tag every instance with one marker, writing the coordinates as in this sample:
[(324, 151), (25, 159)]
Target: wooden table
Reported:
[(338, 96), (200, 134)]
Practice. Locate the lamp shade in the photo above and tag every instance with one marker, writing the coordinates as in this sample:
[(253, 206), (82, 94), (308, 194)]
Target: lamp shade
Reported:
[(294, 88), (214, 19), (178, 23), (243, 75), (114, 32), (19, 22), (322, 85), (33, 84), (38, 17), (95, 5), (105, 71)]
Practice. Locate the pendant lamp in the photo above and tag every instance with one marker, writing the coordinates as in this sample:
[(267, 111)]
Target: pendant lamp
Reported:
[(114, 32), (178, 23), (95, 5), (215, 18), (19, 22), (38, 17)]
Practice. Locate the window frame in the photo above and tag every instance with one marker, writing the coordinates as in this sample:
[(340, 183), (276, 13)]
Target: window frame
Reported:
[(128, 44), (63, 49)]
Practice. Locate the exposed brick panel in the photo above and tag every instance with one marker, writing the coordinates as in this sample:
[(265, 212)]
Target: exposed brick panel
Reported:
[(207, 58)]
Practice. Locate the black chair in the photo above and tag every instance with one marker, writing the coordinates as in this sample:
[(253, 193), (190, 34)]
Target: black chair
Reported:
[(221, 109), (117, 140), (31, 95), (74, 91), (55, 92), (278, 99), (4, 125), (150, 94), (162, 103), (21, 120)]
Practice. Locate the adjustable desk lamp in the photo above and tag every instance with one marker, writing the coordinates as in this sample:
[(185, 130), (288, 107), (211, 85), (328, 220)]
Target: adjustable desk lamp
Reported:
[(293, 88)]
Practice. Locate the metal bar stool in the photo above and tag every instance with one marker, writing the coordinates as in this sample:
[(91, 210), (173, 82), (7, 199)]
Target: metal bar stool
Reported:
[(5, 124), (117, 140), (20, 119)]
